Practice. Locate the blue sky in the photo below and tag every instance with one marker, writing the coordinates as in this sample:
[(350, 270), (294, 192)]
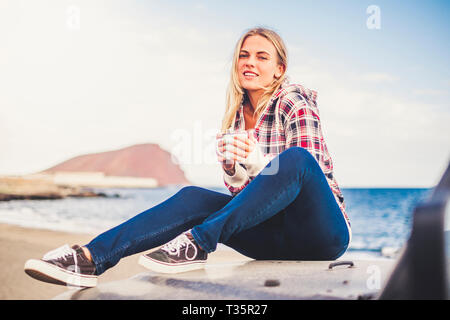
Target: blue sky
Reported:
[(152, 71), (409, 29), (412, 41)]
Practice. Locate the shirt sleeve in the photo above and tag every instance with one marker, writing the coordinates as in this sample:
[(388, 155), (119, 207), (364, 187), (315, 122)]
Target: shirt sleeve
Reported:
[(238, 181), (256, 161), (302, 128)]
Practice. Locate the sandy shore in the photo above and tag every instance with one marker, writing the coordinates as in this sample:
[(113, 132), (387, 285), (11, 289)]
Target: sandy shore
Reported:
[(19, 244)]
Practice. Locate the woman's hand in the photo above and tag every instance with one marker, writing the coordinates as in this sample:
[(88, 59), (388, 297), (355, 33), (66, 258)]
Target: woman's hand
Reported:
[(239, 149)]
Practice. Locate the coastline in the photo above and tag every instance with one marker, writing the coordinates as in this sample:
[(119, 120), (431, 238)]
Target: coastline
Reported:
[(18, 244), (41, 187)]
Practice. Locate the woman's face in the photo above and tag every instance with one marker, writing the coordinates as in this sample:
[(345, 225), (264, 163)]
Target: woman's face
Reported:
[(258, 63)]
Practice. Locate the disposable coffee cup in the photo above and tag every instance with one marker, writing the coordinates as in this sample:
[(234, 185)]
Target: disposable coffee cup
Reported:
[(228, 138)]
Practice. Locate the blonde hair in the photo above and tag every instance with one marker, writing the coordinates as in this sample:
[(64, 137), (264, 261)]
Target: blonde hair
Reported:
[(235, 93)]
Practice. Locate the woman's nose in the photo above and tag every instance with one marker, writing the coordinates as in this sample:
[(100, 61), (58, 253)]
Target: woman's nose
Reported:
[(250, 61)]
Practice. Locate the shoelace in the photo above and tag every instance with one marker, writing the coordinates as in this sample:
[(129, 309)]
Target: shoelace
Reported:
[(174, 247), (61, 252)]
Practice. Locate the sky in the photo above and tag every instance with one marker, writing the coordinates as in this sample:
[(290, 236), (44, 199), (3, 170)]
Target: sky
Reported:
[(80, 77)]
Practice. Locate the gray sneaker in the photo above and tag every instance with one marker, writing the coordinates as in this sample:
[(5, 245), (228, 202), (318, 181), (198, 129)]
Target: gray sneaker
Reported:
[(179, 255), (63, 266)]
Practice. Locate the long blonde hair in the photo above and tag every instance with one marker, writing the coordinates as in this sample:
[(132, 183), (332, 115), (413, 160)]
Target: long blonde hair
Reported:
[(235, 93)]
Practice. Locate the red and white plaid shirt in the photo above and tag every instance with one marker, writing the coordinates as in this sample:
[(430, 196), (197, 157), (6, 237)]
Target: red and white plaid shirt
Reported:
[(291, 118)]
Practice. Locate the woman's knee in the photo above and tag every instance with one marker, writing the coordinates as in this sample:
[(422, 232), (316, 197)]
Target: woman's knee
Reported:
[(298, 154), (189, 191), (297, 158), (202, 195)]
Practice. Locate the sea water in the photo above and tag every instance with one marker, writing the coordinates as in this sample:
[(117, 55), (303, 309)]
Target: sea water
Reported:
[(380, 218)]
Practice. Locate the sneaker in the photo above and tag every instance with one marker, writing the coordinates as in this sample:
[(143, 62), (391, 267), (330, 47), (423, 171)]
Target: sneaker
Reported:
[(179, 255), (64, 266)]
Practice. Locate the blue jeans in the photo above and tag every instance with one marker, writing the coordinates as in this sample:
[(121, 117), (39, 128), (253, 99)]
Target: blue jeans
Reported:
[(290, 215)]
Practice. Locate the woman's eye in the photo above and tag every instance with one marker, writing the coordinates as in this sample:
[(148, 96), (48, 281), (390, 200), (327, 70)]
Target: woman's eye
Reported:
[(246, 56)]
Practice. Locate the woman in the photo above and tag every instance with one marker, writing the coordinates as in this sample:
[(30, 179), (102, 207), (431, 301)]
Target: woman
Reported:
[(285, 202)]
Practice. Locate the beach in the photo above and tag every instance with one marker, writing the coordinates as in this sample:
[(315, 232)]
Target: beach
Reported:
[(18, 244)]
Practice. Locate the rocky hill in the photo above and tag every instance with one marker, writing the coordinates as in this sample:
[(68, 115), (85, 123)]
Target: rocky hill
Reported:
[(140, 161), (137, 166)]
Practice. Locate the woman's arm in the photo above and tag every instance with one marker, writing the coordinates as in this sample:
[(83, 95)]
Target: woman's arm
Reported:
[(235, 176), (235, 183), (257, 161)]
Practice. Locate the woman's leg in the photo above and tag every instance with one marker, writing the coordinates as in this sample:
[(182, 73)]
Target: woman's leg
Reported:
[(314, 225), (155, 226), (288, 215)]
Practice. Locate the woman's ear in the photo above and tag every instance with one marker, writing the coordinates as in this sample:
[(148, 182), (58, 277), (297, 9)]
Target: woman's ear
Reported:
[(280, 70)]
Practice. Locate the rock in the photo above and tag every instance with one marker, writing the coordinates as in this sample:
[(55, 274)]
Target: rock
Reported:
[(272, 283), (20, 188), (138, 166), (140, 161), (89, 194), (8, 197)]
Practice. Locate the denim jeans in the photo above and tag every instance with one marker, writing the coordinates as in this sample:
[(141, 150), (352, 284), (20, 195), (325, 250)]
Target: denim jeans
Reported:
[(290, 215)]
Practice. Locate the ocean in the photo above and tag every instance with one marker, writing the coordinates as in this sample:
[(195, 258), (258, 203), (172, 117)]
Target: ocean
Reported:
[(380, 218)]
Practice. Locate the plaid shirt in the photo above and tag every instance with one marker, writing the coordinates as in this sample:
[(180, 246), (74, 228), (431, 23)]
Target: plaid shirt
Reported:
[(290, 119)]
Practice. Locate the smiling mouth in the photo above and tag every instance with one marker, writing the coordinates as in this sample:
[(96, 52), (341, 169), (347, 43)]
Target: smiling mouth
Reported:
[(249, 75)]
